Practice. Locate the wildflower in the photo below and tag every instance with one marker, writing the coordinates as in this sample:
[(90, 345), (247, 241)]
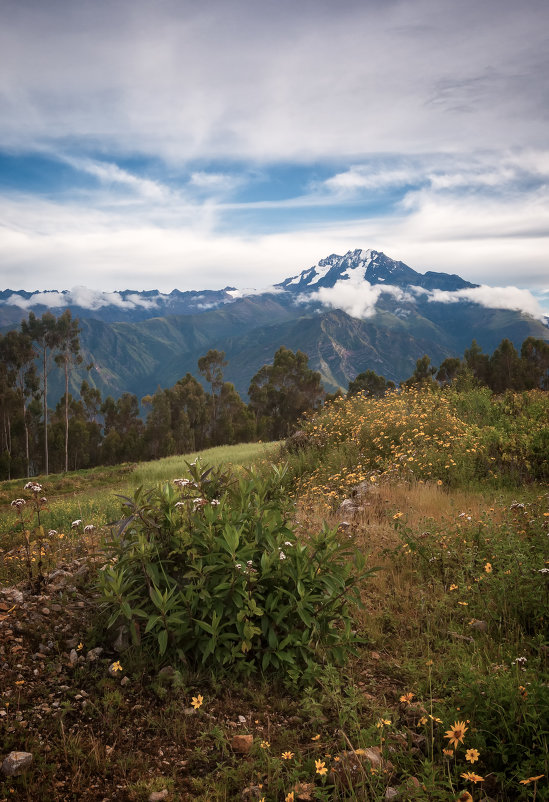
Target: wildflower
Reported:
[(89, 529), (196, 701), (320, 767), (290, 797), (397, 515), (52, 532), (18, 503), (264, 744), (406, 697), (215, 502), (448, 752), (80, 647), (453, 587), (472, 777), (531, 779), (116, 666), (287, 755), (182, 482), (76, 524), (383, 722), (464, 604), (472, 755), (439, 482), (281, 556), (488, 568), (456, 733), (423, 720), (315, 738), (428, 662)]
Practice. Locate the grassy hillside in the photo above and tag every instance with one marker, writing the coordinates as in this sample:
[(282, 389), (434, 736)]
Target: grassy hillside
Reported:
[(442, 495)]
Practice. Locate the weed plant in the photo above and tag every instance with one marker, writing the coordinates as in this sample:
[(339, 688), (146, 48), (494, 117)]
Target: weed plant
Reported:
[(208, 570)]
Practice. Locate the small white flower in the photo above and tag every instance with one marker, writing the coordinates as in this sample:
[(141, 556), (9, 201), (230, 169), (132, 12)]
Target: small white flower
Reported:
[(288, 543), (89, 529), (76, 524), (182, 482), (543, 570), (180, 504), (18, 502), (281, 556), (52, 532), (215, 502)]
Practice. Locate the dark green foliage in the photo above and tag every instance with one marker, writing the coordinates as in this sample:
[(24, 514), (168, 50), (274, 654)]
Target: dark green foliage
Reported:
[(208, 570), (370, 383), (282, 392)]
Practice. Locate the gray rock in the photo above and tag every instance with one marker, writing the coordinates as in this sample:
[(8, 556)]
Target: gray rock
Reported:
[(94, 654), (16, 763), (391, 793), (158, 796), (73, 657), (14, 595), (122, 641)]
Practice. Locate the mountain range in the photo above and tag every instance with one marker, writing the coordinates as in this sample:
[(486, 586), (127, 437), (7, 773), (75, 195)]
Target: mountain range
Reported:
[(349, 313)]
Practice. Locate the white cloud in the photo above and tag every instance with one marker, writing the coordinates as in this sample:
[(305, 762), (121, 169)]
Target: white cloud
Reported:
[(81, 296), (181, 79), (355, 296), (493, 298)]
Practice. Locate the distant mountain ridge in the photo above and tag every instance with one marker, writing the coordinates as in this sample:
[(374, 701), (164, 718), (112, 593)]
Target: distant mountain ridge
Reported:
[(137, 341), (371, 266)]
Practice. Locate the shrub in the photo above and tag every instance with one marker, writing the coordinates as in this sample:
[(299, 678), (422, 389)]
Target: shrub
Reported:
[(213, 574)]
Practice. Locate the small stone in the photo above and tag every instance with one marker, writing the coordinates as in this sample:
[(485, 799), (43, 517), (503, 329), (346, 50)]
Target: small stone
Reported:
[(479, 626), (391, 793), (122, 641), (14, 595), (242, 743), (166, 673), (124, 681), (94, 654), (16, 763), (242, 719), (158, 796), (45, 611), (375, 655), (252, 792), (73, 657)]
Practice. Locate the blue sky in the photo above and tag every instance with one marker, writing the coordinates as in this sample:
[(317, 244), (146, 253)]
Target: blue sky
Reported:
[(169, 143)]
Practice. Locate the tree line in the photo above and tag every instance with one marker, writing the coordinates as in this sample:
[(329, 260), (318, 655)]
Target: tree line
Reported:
[(90, 430), (505, 369)]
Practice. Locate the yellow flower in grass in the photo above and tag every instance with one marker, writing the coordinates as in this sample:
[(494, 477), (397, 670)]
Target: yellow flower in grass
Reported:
[(315, 738), (264, 744), (488, 568), (448, 752), (287, 755), (472, 777), (456, 733), (406, 697), (472, 755), (290, 797), (453, 587), (531, 779), (196, 701), (423, 720), (320, 767), (383, 722)]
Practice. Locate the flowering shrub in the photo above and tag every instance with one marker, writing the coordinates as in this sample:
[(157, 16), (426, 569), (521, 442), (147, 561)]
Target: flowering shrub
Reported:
[(220, 579)]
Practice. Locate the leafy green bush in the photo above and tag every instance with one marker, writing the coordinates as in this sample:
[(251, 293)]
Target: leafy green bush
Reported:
[(208, 570)]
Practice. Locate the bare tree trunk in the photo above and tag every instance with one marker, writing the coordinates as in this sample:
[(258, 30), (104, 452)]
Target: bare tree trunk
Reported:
[(66, 416), (46, 463)]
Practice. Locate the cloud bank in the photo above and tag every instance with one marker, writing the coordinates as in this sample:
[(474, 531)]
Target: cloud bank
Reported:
[(360, 298)]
